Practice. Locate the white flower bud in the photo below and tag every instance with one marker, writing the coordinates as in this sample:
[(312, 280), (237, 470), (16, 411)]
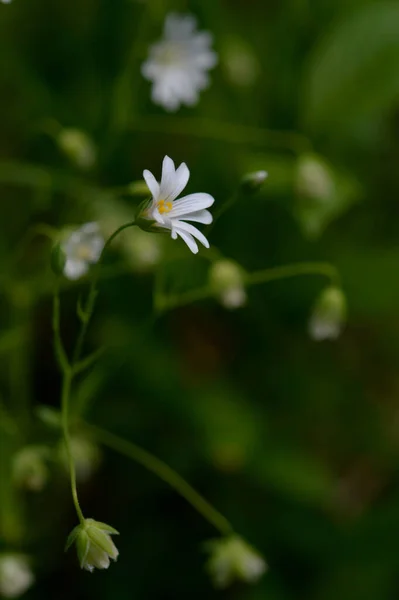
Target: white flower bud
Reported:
[(329, 314), (232, 558), (29, 468), (227, 281), (254, 181), (16, 576), (93, 544), (78, 147), (86, 457)]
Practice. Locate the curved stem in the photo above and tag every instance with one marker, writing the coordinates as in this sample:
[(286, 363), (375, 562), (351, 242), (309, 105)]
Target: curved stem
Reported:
[(66, 390), (164, 472), (286, 271)]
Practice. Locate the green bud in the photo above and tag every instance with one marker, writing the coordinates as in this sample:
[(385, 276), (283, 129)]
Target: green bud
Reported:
[(227, 281), (144, 221), (231, 558), (253, 181), (94, 545), (329, 314), (29, 468), (78, 147)]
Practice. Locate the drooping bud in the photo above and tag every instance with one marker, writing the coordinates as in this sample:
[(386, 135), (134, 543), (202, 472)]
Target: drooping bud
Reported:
[(16, 576), (29, 468), (329, 314), (78, 147), (231, 558), (253, 181), (227, 281), (94, 545)]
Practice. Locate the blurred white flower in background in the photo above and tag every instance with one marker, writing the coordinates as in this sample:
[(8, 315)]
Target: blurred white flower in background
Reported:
[(164, 212), (329, 315), (6, 1), (178, 64), (29, 468), (81, 249), (15, 575), (232, 558)]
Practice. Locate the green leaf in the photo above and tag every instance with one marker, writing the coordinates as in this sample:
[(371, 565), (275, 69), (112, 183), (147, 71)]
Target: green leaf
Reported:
[(354, 71)]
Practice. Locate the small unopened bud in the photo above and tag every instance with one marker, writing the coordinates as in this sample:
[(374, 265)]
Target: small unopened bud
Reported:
[(253, 181), (227, 281), (78, 147), (231, 559), (314, 178), (16, 576), (143, 251), (29, 468), (329, 314), (86, 457), (94, 545)]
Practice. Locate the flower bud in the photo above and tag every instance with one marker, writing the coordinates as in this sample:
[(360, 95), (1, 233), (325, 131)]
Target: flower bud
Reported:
[(29, 468), (314, 178), (16, 576), (329, 314), (93, 544), (86, 457), (78, 147), (227, 281), (253, 181), (231, 558)]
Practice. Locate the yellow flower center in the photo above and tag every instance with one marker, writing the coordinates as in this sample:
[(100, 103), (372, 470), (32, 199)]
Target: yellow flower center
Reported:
[(84, 252), (164, 207)]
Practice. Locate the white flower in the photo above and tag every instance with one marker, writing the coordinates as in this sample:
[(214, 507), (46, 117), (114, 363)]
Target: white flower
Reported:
[(232, 558), (167, 213), (329, 315), (94, 545), (82, 249), (15, 575), (178, 64)]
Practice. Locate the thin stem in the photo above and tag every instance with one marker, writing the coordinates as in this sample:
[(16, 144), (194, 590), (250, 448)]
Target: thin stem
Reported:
[(65, 394), (60, 353), (294, 270), (164, 472), (222, 131)]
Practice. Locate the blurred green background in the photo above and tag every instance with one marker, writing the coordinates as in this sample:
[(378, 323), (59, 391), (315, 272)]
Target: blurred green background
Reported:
[(295, 441)]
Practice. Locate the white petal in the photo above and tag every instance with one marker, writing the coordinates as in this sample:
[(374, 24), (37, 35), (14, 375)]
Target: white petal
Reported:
[(178, 226), (191, 203), (182, 176), (74, 269), (91, 227), (200, 216), (152, 184), (186, 237), (168, 177)]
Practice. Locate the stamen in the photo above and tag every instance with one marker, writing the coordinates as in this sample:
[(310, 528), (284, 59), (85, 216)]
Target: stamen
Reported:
[(164, 207)]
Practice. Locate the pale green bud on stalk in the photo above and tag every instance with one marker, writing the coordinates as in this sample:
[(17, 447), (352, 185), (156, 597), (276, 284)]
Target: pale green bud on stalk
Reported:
[(29, 468), (16, 575), (231, 558), (226, 279), (78, 147), (329, 314), (253, 181), (314, 178), (94, 545)]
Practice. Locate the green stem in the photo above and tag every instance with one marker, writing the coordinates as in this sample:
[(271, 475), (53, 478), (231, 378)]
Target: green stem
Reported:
[(65, 394), (164, 472), (286, 271), (224, 132)]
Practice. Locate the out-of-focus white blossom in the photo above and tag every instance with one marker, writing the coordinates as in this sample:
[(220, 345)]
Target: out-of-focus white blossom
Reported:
[(329, 315), (227, 280), (178, 64), (232, 558), (29, 468), (166, 212), (78, 147), (16, 576), (81, 249), (94, 545)]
